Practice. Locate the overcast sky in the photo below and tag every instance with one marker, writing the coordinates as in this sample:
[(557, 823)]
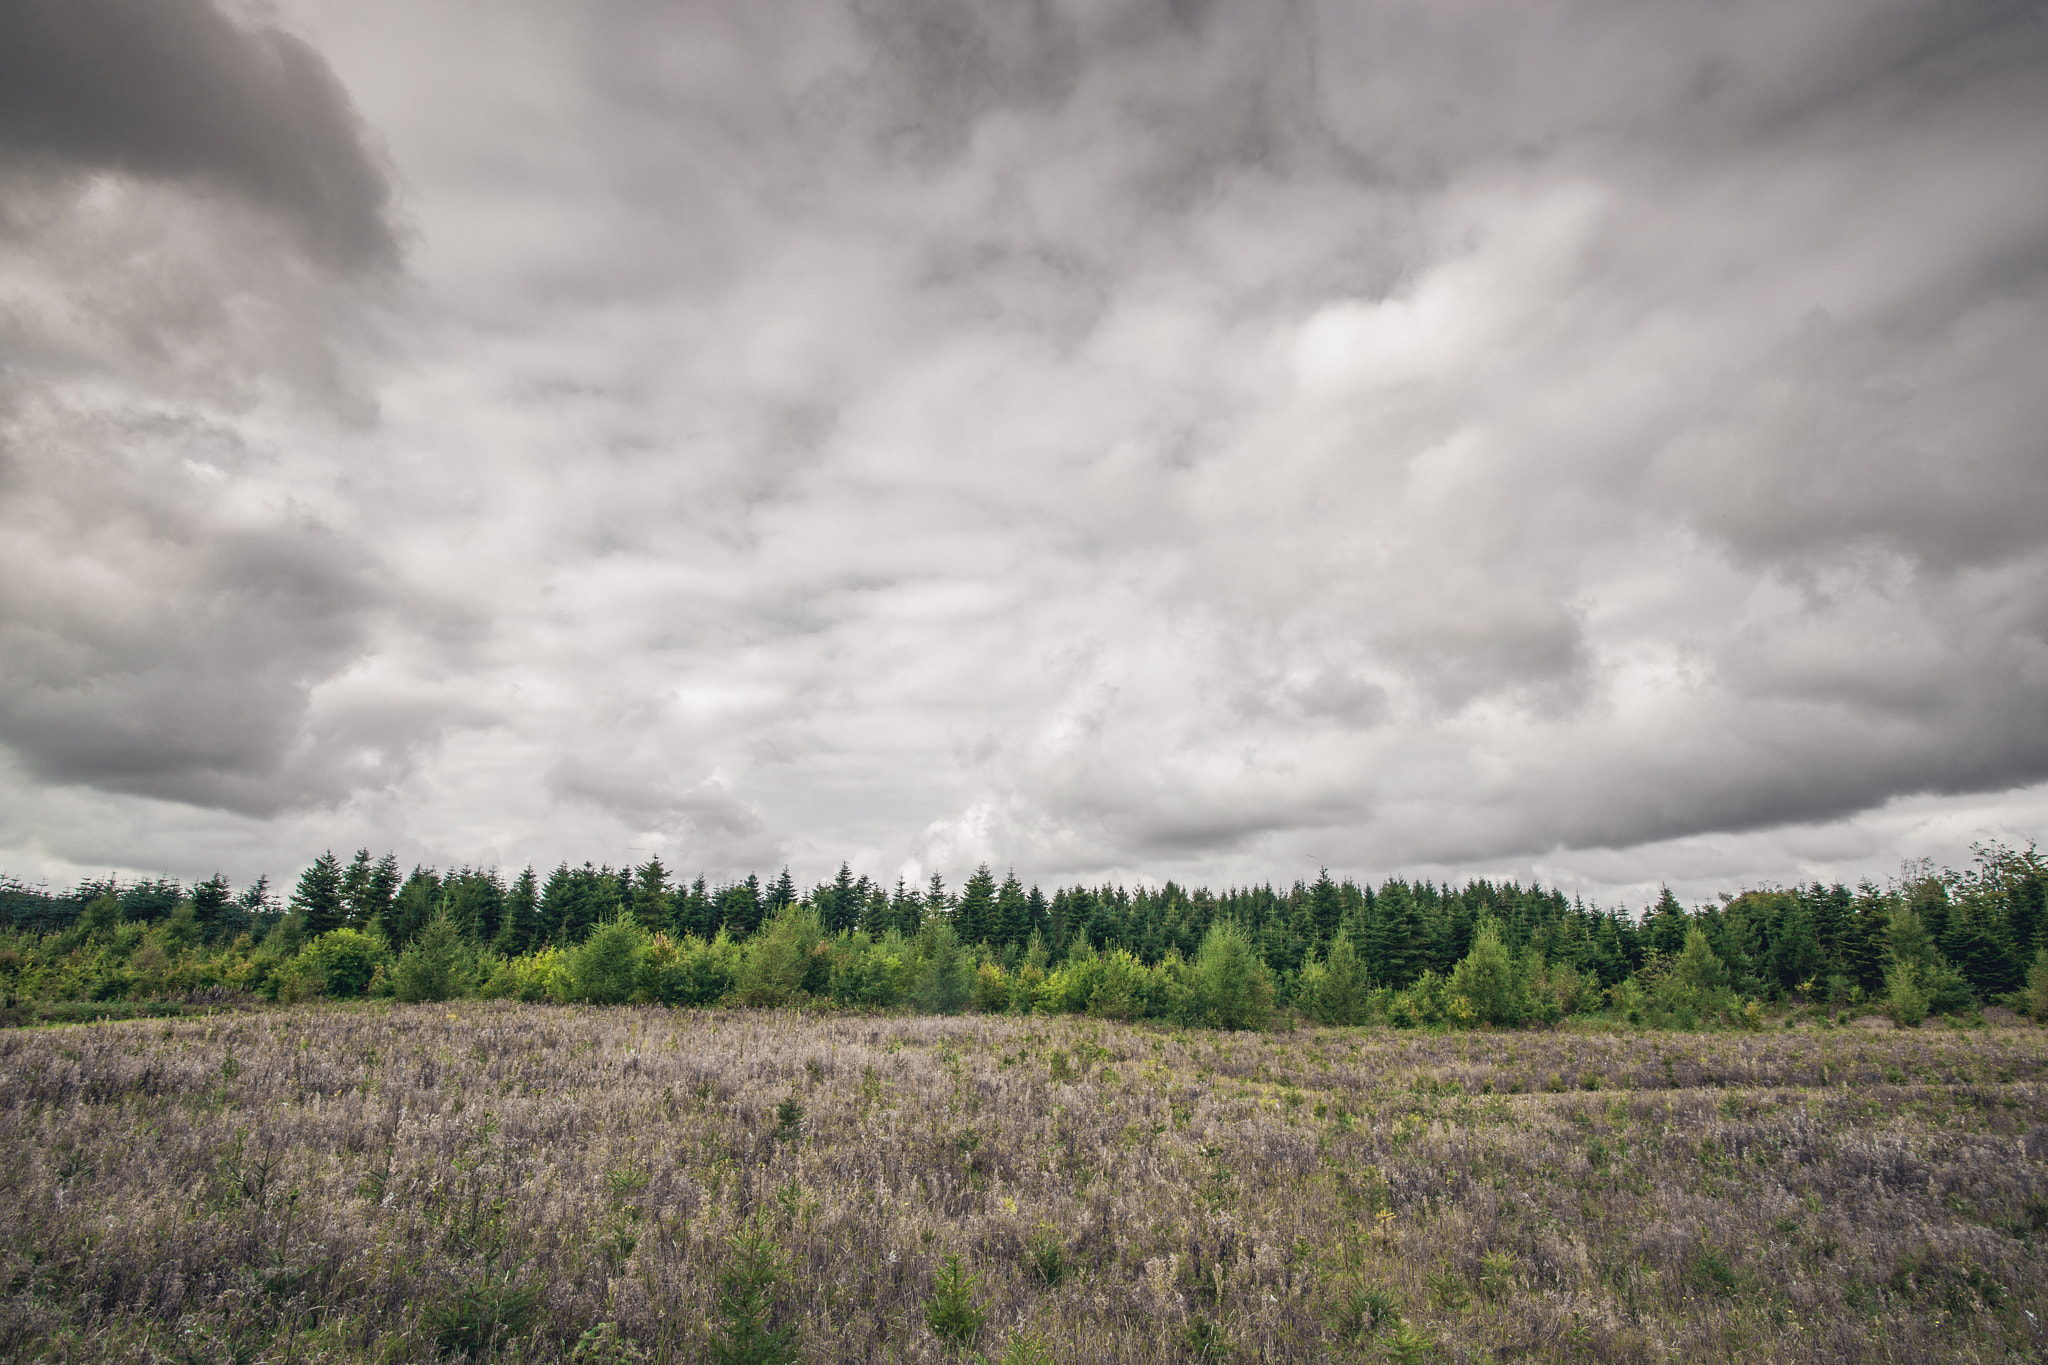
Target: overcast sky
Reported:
[(1598, 442)]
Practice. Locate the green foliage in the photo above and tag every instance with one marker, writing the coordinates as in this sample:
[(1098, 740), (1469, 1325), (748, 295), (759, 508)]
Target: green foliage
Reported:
[(942, 981), (1048, 1255), (1904, 1000), (689, 972), (1413, 955), (483, 1316), (1205, 1339), (1025, 1349), (1232, 986), (532, 977), (1334, 989), (1362, 1311), (347, 960), (102, 917), (779, 960), (747, 1333), (1486, 981), (789, 1120), (950, 1311), (602, 970), (437, 966)]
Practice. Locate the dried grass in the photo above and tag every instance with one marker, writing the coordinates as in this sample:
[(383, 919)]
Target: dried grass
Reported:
[(345, 1184)]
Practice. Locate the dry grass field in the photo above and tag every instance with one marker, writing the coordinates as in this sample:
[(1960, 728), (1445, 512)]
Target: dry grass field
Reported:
[(543, 1183)]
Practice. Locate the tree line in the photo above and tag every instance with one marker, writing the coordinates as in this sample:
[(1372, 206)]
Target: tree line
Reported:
[(1403, 952)]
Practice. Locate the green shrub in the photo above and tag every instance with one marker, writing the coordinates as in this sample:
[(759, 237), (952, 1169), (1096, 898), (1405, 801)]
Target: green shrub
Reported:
[(1486, 980), (951, 1312), (603, 968), (1364, 1310), (1233, 989), (1335, 989), (1048, 1256), (1904, 1000), (347, 960), (687, 972), (867, 974), (746, 1334), (437, 965), (942, 982), (778, 960), (531, 977), (483, 1316)]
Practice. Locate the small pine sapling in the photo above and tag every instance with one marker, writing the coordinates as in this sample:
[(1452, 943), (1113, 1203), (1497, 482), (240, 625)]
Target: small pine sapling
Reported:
[(951, 1312), (746, 1303)]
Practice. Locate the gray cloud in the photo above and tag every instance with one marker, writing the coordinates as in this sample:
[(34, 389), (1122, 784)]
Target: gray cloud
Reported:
[(1186, 439), (174, 89)]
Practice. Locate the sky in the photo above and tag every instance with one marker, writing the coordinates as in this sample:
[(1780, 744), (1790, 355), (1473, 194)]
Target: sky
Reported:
[(1603, 444)]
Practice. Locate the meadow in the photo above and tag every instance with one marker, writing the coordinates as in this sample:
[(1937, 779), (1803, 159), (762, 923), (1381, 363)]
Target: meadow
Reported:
[(376, 1182)]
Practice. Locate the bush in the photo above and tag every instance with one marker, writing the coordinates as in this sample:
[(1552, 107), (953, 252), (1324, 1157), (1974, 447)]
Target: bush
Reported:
[(991, 991), (689, 972), (602, 970), (531, 977), (347, 960), (778, 961), (437, 965), (942, 983), (867, 975), (1903, 998), (1232, 987), (1334, 990), (1486, 981), (483, 1316)]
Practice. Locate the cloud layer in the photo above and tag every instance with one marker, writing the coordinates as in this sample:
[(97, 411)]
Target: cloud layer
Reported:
[(1198, 439)]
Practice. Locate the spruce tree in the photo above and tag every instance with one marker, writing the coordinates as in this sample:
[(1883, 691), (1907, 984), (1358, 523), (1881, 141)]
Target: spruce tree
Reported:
[(1326, 905), (211, 904), (841, 911), (317, 898), (653, 903), (1012, 919), (975, 916), (521, 923)]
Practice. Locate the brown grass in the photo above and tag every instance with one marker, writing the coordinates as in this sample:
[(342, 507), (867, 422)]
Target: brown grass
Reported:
[(323, 1183)]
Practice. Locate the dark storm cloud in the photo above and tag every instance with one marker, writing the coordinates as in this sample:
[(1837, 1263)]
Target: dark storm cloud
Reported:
[(175, 610), (174, 89)]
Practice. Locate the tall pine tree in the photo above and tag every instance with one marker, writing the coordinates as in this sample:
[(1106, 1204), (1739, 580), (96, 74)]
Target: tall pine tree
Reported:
[(317, 898)]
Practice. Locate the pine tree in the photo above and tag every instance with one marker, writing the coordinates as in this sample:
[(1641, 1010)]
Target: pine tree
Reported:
[(1327, 906), (843, 901), (1486, 980), (975, 916), (1012, 918), (317, 899), (739, 907), (653, 903), (1396, 939), (1037, 916), (1795, 955), (212, 906), (521, 923), (906, 910), (434, 967)]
